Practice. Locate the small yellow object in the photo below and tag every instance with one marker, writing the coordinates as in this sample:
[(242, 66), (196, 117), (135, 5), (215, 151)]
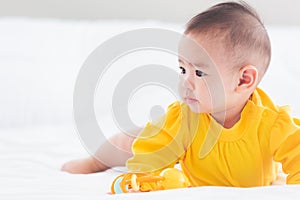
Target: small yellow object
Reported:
[(169, 178), (174, 178), (135, 185)]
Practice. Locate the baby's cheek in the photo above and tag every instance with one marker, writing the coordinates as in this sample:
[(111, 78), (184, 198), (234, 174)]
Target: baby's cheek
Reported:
[(180, 89)]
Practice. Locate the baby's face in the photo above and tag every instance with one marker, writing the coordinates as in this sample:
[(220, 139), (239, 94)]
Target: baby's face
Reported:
[(206, 75)]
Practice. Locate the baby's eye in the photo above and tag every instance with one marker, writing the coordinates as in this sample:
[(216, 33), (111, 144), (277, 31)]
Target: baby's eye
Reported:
[(200, 73), (182, 70)]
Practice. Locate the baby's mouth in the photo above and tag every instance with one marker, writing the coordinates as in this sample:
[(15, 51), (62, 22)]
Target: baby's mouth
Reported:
[(190, 100)]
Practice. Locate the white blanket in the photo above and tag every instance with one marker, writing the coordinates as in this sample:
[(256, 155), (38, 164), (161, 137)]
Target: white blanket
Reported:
[(39, 62)]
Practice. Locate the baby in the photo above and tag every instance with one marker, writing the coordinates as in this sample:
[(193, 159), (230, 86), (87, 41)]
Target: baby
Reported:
[(226, 131)]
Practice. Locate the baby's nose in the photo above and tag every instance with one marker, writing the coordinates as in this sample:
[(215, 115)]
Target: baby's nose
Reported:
[(188, 81)]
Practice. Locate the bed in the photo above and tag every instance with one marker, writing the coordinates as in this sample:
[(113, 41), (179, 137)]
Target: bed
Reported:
[(39, 62)]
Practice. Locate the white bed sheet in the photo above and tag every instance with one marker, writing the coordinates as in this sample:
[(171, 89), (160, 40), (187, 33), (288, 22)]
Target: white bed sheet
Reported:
[(31, 160), (39, 61), (30, 169)]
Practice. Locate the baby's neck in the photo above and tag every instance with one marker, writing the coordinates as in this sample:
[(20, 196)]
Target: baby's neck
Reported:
[(230, 117)]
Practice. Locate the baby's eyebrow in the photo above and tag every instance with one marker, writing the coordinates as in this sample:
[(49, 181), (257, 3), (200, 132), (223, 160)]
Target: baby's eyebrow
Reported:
[(200, 66), (196, 65), (183, 61), (179, 60)]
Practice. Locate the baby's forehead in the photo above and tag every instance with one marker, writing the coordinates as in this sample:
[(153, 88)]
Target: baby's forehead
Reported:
[(198, 50)]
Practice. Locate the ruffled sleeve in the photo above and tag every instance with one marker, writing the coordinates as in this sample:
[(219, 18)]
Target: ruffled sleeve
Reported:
[(285, 145), (160, 144)]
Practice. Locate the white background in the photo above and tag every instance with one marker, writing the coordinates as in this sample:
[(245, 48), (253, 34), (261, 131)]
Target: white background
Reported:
[(275, 12)]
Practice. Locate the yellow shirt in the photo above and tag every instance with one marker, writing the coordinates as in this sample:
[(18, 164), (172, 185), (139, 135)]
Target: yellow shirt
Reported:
[(210, 154)]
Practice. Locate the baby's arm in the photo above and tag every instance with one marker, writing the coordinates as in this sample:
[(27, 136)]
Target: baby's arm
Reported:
[(284, 145), (114, 152)]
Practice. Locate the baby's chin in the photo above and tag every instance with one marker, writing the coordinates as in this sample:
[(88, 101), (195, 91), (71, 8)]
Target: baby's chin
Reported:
[(196, 107)]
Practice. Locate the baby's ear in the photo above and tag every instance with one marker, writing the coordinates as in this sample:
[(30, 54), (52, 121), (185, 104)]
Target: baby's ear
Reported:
[(248, 77)]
